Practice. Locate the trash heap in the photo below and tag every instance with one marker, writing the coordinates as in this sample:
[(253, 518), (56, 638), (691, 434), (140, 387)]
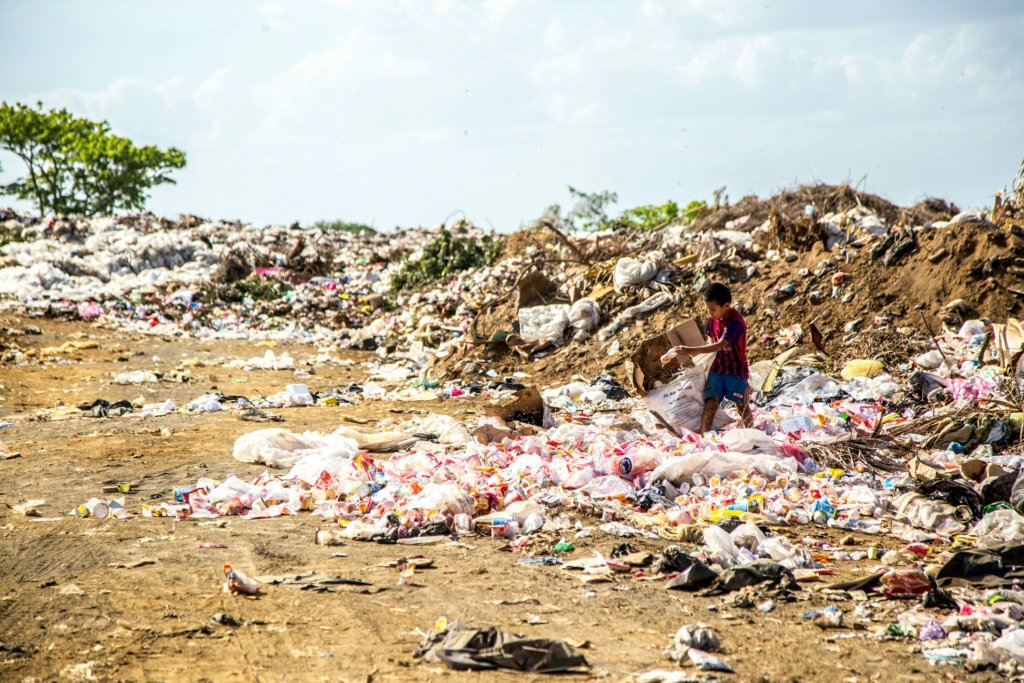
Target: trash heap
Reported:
[(851, 263)]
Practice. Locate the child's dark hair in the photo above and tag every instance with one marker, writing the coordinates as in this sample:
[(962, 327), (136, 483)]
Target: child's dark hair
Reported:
[(718, 293)]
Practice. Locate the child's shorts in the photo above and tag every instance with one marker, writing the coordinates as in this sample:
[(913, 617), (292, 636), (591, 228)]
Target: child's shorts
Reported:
[(726, 387)]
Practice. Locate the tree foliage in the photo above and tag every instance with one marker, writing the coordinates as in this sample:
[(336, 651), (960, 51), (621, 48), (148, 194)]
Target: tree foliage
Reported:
[(590, 213), (77, 166), (652, 217)]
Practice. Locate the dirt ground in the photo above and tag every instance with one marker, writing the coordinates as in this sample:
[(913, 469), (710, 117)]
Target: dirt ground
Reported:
[(131, 600)]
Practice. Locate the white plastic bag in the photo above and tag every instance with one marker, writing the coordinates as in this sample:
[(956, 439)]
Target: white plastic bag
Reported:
[(608, 487), (631, 271), (444, 498), (749, 536), (1000, 526), (447, 429), (543, 323), (633, 312), (709, 463), (280, 448), (680, 403), (720, 543), (750, 441), (584, 317)]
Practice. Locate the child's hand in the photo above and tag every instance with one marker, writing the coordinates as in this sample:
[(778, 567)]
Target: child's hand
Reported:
[(672, 353)]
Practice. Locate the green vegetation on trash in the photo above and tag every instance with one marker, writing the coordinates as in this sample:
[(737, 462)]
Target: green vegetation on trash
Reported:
[(651, 217), (589, 213), (342, 226), (252, 287), (447, 255), (8, 235), (78, 167)]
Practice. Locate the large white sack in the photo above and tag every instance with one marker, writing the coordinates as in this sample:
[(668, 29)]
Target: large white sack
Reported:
[(631, 271), (447, 429), (709, 463), (543, 323), (279, 448)]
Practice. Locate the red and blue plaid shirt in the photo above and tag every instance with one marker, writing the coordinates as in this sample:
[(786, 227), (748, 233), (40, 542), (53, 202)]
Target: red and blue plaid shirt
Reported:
[(732, 360)]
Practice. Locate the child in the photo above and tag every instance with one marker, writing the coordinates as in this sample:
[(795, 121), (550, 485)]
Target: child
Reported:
[(729, 371)]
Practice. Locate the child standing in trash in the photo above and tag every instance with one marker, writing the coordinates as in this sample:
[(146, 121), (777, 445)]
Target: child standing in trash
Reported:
[(729, 372)]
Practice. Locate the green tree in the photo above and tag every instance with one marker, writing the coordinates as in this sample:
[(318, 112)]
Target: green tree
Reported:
[(77, 166)]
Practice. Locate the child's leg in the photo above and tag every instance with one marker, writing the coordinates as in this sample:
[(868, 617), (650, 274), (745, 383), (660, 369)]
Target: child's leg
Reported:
[(707, 418), (745, 416)]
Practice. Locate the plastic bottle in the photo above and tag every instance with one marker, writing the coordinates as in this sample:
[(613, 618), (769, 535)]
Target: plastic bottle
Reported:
[(237, 582)]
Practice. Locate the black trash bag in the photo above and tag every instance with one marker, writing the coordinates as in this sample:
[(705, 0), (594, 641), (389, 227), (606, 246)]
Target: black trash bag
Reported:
[(696, 576), (622, 550), (611, 388), (1017, 492), (994, 567), (692, 573), (120, 408), (432, 529), (998, 489), (753, 574), (954, 492), (104, 408), (653, 495), (937, 598), (927, 386), (463, 648)]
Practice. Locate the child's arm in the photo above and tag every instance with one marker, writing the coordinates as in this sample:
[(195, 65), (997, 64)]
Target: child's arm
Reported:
[(713, 347)]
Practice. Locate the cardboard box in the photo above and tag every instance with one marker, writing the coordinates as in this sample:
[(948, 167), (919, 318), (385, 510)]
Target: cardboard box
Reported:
[(646, 360)]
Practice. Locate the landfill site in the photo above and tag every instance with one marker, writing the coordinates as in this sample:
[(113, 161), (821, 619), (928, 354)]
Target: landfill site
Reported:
[(293, 453)]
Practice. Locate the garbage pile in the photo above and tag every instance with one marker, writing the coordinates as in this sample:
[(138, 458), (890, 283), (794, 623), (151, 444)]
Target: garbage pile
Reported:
[(851, 265)]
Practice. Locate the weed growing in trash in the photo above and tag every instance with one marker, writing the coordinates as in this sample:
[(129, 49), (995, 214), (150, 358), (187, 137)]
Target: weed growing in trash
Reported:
[(446, 255), (254, 288), (342, 226)]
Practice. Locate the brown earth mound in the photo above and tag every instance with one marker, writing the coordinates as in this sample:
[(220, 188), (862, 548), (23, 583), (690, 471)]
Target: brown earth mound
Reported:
[(874, 311)]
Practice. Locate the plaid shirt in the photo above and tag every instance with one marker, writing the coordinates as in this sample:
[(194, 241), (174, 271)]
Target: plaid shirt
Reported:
[(732, 360)]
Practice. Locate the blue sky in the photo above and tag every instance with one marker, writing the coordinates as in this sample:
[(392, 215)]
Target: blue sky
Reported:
[(399, 113)]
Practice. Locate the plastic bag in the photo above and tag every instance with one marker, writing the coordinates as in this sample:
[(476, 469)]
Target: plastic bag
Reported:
[(680, 403), (608, 487), (861, 368), (298, 395), (750, 441), (682, 467), (444, 498), (1000, 526), (543, 323), (631, 271), (633, 312), (280, 448), (749, 536), (334, 457), (447, 429), (720, 543), (905, 582), (232, 487), (136, 377), (930, 515), (780, 549), (584, 317)]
